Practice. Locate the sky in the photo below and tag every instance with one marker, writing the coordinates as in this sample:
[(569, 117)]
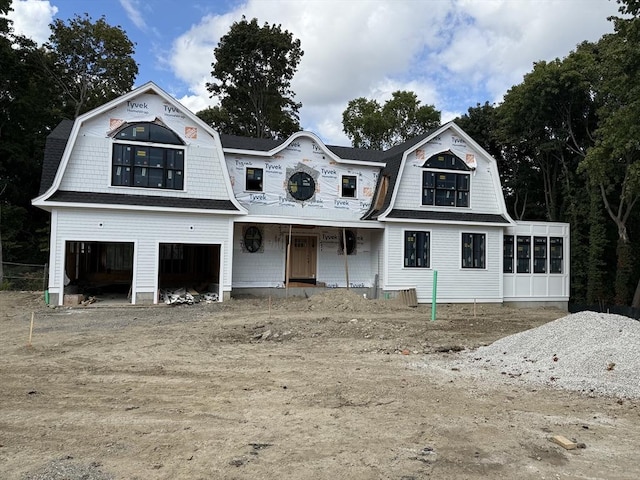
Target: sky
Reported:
[(454, 54)]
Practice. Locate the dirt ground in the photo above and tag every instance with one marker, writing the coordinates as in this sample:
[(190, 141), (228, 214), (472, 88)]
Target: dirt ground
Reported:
[(330, 387)]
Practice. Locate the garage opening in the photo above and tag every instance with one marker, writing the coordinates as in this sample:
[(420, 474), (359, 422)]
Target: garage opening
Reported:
[(99, 268), (192, 267)]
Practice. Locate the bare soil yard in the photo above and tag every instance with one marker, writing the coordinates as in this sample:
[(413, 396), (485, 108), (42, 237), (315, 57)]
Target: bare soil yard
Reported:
[(330, 387)]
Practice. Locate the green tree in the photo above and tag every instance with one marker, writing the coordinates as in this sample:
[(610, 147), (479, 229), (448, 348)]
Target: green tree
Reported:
[(92, 63), (38, 87), (613, 163), (520, 181), (370, 125), (549, 115), (253, 69), (26, 97)]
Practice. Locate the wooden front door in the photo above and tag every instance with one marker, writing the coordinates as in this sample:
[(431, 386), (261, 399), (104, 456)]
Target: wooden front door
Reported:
[(303, 259)]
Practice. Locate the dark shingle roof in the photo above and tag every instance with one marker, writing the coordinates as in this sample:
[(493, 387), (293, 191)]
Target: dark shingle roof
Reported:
[(54, 148), (249, 143), (448, 216), (266, 144), (393, 160), (141, 200)]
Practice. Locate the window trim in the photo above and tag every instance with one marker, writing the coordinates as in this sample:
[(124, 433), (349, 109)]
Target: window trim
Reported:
[(427, 234), (474, 247), (541, 254), (510, 258), (552, 255), (523, 257)]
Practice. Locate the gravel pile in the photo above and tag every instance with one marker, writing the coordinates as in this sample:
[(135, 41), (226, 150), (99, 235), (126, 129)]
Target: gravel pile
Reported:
[(593, 353)]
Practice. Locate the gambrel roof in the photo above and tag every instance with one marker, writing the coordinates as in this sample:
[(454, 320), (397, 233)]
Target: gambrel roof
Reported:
[(394, 160), (60, 143), (391, 163), (54, 149)]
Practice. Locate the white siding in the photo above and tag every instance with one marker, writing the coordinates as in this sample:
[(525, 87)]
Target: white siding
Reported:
[(454, 283), (146, 230), (89, 165), (484, 188), (89, 170)]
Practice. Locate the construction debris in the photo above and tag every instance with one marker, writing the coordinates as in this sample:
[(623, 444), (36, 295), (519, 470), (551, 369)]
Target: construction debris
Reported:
[(181, 296), (564, 442)]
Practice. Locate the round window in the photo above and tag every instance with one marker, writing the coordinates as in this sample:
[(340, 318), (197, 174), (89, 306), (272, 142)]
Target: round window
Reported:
[(351, 241), (301, 186), (252, 239)]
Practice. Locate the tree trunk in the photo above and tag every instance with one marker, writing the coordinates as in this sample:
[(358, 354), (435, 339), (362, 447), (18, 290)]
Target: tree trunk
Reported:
[(623, 272), (636, 296), (1, 265)]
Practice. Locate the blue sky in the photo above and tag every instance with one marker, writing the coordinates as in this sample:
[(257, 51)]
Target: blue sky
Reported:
[(453, 53)]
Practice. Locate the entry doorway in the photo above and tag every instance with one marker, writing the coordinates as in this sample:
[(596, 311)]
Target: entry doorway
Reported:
[(303, 254)]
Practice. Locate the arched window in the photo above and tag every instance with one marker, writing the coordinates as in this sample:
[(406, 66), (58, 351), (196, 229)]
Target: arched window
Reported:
[(140, 158), (445, 181)]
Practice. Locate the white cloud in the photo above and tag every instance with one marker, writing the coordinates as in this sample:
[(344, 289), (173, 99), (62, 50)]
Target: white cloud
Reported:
[(31, 18), (505, 38), (452, 53), (132, 8)]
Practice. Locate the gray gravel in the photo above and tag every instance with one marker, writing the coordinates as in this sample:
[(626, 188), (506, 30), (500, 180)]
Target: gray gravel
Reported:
[(593, 353), (67, 468)]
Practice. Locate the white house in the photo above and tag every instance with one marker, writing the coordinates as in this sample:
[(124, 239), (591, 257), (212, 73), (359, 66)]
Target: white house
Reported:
[(144, 195)]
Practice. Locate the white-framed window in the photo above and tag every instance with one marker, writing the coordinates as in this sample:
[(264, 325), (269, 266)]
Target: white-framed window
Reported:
[(555, 254), (474, 250), (508, 254), (523, 254), (417, 249)]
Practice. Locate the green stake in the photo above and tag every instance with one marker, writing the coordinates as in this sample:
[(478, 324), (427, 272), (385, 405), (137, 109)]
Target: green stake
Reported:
[(433, 296)]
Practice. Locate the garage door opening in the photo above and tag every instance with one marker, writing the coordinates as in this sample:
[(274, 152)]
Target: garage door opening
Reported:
[(99, 269), (192, 267)]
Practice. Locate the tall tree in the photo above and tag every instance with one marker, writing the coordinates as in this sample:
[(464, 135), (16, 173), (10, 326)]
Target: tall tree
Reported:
[(25, 116), (613, 164), (5, 51), (253, 69), (370, 125), (92, 62), (547, 115), (520, 180)]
